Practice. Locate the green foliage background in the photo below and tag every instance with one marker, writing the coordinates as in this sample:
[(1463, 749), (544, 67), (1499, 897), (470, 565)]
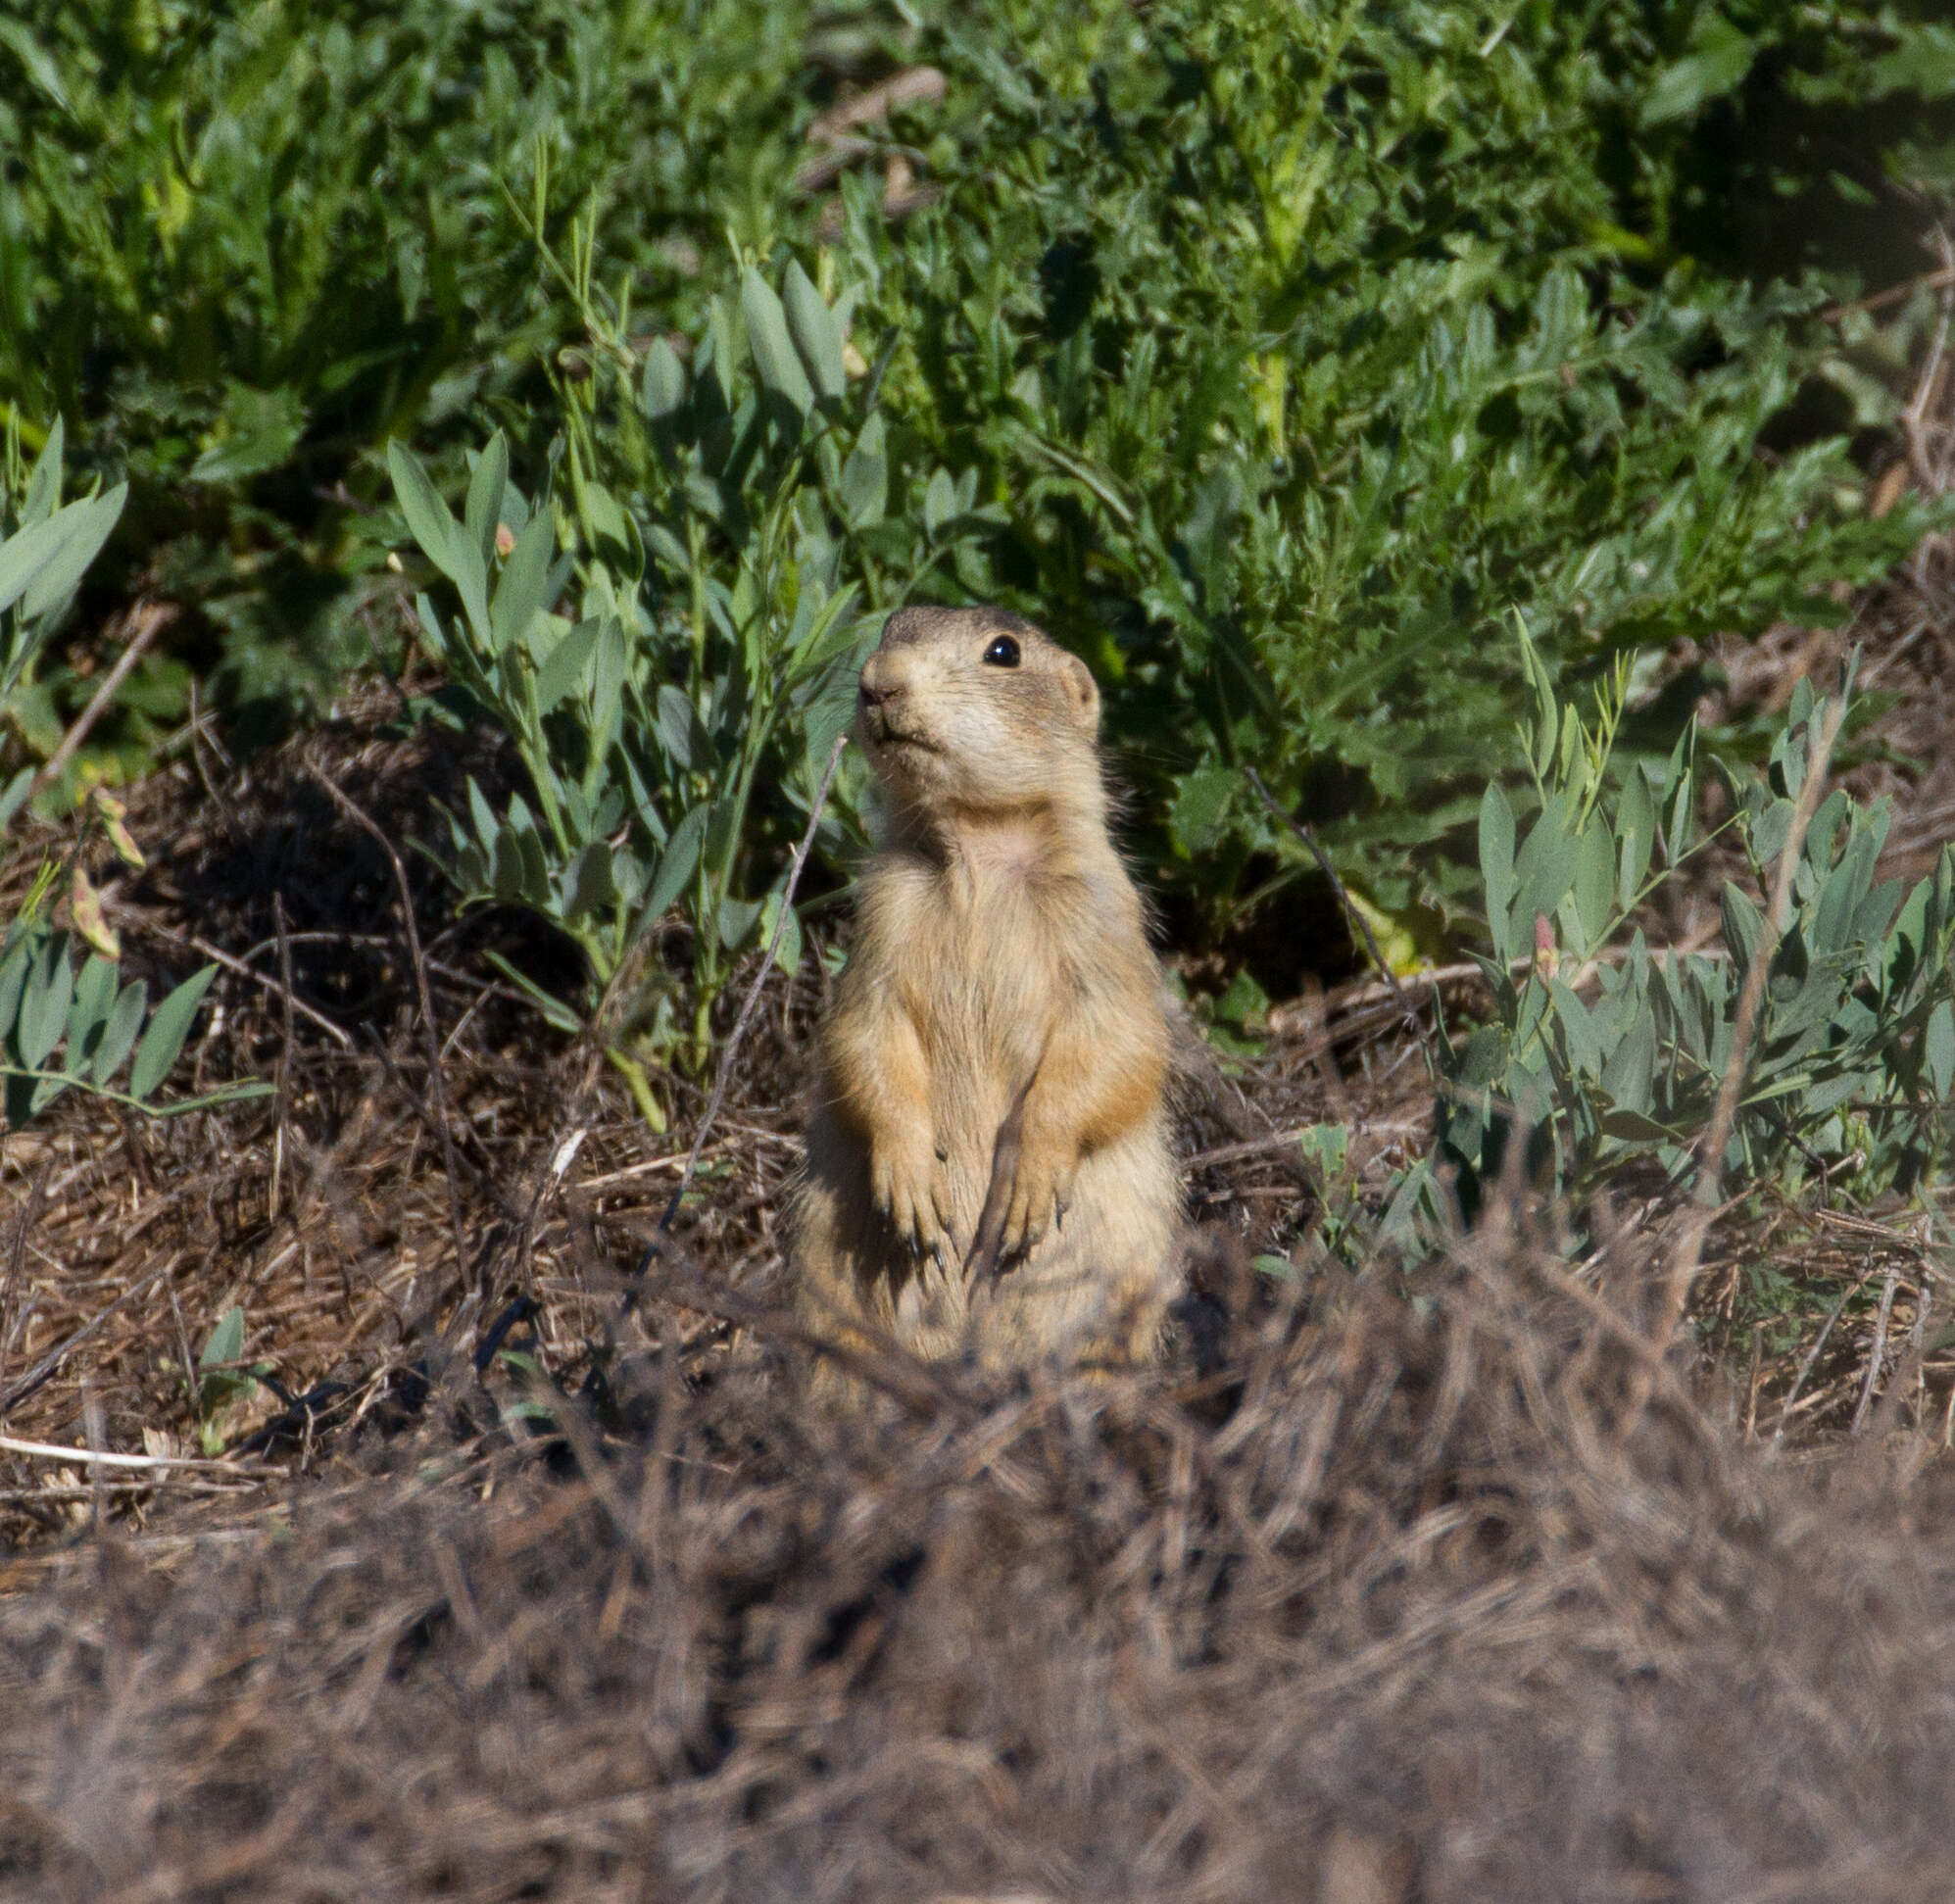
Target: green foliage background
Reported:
[(1282, 353)]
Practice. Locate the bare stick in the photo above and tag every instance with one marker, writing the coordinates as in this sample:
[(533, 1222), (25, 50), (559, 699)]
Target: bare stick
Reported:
[(283, 992), (1893, 294), (752, 997), (145, 622), (1879, 1353), (430, 1031), (1407, 1010), (94, 1456), (1750, 1002)]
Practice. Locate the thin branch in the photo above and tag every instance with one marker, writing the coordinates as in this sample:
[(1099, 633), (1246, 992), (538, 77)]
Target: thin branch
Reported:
[(144, 621), (1750, 1002), (753, 998), (430, 1031)]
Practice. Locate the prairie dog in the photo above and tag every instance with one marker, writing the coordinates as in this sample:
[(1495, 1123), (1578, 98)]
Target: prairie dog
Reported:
[(988, 1163)]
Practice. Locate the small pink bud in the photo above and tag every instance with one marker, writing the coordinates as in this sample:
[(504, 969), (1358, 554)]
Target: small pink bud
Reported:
[(505, 538)]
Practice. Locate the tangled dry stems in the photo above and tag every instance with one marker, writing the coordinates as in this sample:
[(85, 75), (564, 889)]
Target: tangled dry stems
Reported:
[(1403, 1590)]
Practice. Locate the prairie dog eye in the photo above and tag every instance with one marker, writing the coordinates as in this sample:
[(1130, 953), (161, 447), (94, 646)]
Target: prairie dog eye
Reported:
[(1003, 652)]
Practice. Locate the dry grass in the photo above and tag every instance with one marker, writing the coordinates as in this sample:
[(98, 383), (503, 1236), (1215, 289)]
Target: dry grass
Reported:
[(1405, 1603)]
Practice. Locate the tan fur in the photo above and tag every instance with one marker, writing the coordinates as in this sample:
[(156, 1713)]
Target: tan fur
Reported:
[(1000, 961)]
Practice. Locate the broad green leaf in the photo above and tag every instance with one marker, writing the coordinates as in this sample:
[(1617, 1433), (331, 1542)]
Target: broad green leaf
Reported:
[(678, 865), (1719, 58), (14, 794), (563, 671), (521, 586), (1635, 826), (774, 353), (1743, 927), (225, 1342), (590, 881), (44, 1004), (44, 484), (817, 335), (735, 921), (168, 1027), (1585, 1047), (1939, 1047), (1628, 1075), (1200, 808), (443, 540), (95, 999), (939, 502), (663, 392), (676, 726), (89, 525), (865, 476), (1594, 883), (787, 955)]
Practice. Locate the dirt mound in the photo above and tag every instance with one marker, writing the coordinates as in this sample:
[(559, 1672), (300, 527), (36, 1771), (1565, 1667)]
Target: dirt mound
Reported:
[(1412, 1597)]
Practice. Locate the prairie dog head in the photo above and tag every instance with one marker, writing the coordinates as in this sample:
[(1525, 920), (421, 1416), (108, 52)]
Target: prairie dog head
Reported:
[(975, 712)]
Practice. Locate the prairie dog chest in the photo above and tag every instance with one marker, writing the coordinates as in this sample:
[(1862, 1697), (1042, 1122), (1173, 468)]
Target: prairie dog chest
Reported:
[(983, 956)]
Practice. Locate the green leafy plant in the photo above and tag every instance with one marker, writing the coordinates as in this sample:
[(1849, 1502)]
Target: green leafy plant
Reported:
[(728, 579), (1300, 344), (224, 1379), (1609, 1054), (255, 243), (65, 1026)]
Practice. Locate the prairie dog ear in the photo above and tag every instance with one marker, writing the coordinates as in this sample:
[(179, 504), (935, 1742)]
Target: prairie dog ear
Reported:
[(1082, 692)]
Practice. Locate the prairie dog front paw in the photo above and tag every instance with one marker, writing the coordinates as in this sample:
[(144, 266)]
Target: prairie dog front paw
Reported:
[(913, 1190)]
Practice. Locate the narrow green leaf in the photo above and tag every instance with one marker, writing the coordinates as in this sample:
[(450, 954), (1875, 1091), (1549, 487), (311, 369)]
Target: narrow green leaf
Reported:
[(1496, 867), (483, 508), (168, 1027), (89, 527), (1636, 822), (119, 1036)]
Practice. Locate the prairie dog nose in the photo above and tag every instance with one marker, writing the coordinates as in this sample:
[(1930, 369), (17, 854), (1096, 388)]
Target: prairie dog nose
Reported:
[(881, 681)]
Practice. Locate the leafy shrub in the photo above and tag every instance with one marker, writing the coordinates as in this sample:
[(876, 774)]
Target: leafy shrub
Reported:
[(252, 243), (1302, 345), (1850, 1070), (730, 576), (94, 1026)]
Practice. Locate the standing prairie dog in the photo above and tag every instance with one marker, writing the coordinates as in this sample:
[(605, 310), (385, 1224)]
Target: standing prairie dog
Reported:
[(988, 1163)]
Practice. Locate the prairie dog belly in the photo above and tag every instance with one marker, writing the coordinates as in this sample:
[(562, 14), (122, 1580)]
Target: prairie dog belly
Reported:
[(1093, 1290)]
